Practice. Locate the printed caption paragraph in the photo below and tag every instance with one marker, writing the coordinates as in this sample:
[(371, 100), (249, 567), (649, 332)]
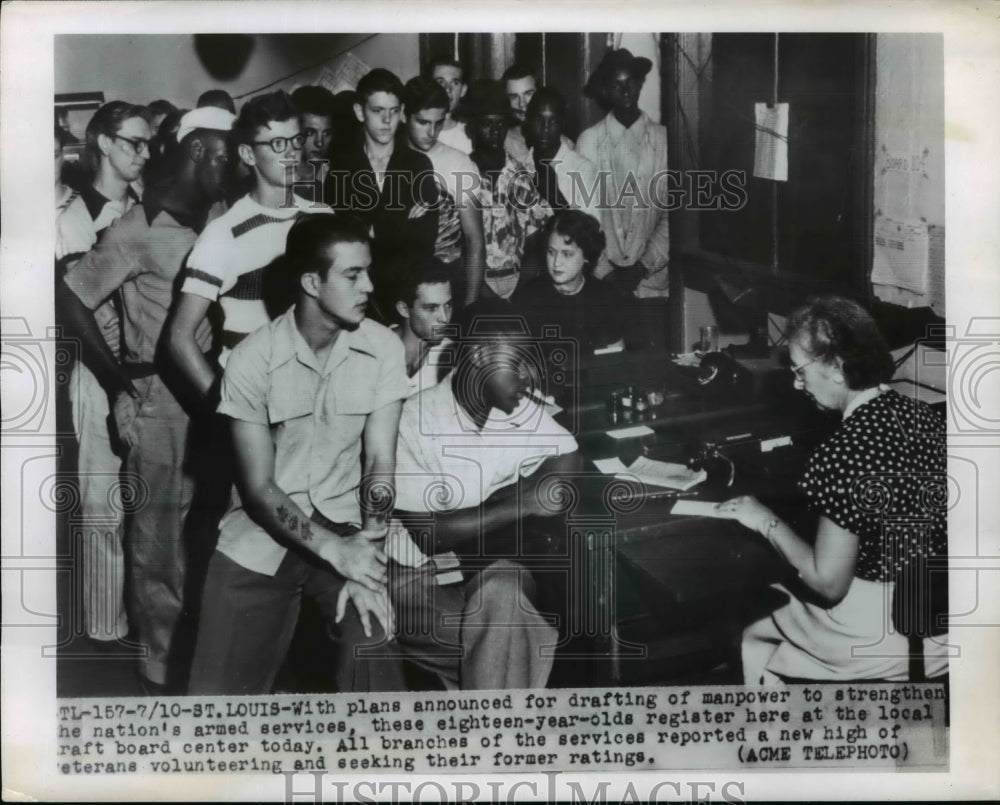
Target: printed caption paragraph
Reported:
[(870, 726)]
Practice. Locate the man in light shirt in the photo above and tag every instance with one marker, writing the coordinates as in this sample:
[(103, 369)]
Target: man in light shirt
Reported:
[(630, 150), (313, 402), (474, 458), (229, 261), (449, 74), (424, 305)]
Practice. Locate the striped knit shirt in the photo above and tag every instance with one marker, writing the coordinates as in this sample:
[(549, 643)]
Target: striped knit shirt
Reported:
[(228, 262)]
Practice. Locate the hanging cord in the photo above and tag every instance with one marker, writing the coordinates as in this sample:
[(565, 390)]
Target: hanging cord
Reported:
[(303, 69)]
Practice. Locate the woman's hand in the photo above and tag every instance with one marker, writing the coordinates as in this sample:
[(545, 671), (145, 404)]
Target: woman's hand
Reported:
[(748, 511)]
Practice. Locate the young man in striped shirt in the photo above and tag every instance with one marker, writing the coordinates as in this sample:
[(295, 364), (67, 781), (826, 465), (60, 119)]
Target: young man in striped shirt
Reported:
[(229, 260)]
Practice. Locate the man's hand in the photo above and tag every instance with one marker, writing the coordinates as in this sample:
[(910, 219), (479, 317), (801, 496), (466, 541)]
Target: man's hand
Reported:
[(367, 603), (357, 557), (124, 412), (401, 548)]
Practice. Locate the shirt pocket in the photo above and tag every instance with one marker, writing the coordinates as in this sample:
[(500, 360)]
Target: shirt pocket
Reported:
[(285, 404), (355, 394)]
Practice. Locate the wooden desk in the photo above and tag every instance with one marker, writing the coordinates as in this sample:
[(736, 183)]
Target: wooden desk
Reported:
[(646, 580)]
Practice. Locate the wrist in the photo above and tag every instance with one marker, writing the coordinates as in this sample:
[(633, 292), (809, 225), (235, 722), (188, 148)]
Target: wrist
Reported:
[(769, 526)]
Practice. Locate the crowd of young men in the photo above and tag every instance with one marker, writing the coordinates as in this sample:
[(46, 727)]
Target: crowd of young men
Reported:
[(288, 281)]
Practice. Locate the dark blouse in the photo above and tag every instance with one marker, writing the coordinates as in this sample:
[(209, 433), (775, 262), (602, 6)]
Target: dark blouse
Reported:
[(883, 476), (592, 317)]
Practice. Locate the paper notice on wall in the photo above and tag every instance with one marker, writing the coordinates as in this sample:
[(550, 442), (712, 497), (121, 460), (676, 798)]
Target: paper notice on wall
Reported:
[(343, 74), (770, 159), (901, 263)]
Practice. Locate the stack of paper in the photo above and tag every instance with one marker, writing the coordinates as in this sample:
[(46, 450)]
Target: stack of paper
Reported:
[(653, 473)]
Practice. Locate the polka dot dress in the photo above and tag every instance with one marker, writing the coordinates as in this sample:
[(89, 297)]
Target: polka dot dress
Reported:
[(883, 476)]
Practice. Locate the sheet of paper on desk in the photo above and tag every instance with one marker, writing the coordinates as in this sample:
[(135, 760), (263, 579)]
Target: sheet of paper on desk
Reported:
[(663, 473), (630, 433), (695, 508), (610, 466)]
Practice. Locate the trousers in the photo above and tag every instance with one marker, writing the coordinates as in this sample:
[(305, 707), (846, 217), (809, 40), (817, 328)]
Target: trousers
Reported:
[(483, 634), (157, 465), (100, 514), (248, 620)]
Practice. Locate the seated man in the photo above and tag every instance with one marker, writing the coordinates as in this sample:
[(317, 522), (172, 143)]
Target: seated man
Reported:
[(304, 395), (473, 457), (424, 303)]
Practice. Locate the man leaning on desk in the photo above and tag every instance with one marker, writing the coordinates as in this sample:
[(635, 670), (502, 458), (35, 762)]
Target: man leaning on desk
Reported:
[(473, 457)]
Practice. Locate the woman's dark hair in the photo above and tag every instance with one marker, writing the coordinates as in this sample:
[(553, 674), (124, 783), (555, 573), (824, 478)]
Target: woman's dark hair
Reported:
[(580, 228), (831, 327)]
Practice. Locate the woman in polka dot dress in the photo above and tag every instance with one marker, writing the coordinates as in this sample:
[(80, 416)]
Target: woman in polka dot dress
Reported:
[(879, 486)]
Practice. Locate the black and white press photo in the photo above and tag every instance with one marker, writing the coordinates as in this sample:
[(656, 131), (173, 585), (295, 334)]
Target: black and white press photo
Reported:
[(602, 414)]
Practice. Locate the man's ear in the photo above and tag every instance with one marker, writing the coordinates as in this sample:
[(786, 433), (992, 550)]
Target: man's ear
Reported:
[(465, 87), (196, 150), (402, 309), (359, 113), (246, 155), (310, 283), (104, 143)]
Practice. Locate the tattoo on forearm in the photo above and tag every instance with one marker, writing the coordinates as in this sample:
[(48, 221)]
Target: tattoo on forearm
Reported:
[(292, 523)]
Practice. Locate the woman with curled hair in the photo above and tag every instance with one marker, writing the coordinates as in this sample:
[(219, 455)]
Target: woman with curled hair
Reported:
[(878, 484), (568, 303), (586, 309)]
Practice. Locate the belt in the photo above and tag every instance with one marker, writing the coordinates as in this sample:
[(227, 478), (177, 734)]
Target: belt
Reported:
[(138, 371), (229, 339)]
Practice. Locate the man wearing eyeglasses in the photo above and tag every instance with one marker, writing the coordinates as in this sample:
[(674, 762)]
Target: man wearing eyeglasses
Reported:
[(315, 105), (229, 262), (140, 257), (117, 147)]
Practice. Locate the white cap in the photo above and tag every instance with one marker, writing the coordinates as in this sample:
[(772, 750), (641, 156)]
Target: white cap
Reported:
[(207, 117)]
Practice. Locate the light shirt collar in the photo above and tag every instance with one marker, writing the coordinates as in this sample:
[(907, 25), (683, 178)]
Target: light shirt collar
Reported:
[(865, 396)]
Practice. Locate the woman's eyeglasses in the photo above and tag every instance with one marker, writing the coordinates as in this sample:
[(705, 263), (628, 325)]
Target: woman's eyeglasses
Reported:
[(280, 144), (797, 370)]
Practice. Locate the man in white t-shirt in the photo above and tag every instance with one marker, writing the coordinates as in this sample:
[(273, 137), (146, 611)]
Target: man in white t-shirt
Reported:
[(228, 264), (460, 243), (450, 75), (423, 302)]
